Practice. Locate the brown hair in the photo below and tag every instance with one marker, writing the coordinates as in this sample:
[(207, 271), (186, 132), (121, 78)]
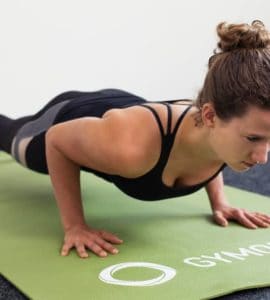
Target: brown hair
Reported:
[(239, 71)]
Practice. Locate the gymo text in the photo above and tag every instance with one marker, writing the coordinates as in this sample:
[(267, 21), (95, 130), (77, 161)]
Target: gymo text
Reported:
[(206, 261)]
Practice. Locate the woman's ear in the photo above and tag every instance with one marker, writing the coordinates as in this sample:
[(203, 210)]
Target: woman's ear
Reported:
[(208, 114)]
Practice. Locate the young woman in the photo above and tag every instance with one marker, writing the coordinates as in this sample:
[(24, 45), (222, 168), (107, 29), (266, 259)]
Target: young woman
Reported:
[(154, 150)]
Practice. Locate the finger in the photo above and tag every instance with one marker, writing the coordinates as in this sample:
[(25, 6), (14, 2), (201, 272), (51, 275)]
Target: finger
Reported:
[(243, 220), (96, 249), (81, 251), (65, 249), (110, 237), (257, 220), (107, 246), (219, 218), (263, 216)]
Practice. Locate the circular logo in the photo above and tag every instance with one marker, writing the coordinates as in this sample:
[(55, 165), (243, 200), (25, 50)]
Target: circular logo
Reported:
[(167, 274)]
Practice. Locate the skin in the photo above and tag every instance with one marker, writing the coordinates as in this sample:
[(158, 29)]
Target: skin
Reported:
[(197, 153), (247, 139)]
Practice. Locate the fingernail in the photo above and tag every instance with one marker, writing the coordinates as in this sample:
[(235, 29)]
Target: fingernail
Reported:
[(115, 251), (103, 253)]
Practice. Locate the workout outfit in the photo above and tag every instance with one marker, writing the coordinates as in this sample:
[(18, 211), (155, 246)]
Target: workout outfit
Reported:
[(25, 139)]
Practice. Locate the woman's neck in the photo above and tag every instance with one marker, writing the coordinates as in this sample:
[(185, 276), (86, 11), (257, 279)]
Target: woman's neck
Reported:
[(194, 142)]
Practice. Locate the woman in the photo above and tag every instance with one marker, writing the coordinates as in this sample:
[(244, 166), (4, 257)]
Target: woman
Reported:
[(154, 150)]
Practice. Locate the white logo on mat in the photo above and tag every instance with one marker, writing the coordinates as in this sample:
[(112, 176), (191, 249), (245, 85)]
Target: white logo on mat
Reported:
[(107, 274)]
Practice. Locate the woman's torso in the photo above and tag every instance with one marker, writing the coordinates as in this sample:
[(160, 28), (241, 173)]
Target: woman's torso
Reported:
[(163, 180)]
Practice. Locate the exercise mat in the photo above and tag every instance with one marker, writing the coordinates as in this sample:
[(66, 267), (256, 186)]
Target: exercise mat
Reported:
[(171, 249)]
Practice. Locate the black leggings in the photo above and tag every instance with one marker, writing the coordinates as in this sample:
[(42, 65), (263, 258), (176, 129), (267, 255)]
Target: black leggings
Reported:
[(9, 127), (25, 138)]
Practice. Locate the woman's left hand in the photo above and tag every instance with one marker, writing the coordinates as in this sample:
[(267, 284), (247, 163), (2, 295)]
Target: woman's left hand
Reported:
[(250, 220)]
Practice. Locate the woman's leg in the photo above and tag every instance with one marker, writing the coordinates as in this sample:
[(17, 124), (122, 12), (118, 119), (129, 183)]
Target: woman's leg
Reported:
[(9, 127)]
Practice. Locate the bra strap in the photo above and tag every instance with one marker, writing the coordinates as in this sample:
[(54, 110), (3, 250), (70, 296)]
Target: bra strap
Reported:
[(157, 118), (180, 119), (169, 122)]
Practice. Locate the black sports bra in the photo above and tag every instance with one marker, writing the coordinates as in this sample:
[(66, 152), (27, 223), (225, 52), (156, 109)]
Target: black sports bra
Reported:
[(150, 186)]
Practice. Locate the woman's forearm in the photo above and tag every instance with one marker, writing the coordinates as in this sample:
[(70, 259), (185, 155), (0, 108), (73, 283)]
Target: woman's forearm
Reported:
[(65, 178), (215, 191)]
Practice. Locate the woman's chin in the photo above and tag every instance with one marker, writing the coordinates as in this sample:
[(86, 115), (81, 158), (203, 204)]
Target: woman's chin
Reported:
[(239, 168)]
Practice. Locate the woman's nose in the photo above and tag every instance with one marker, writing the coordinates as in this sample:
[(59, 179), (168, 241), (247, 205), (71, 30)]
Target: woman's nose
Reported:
[(261, 154)]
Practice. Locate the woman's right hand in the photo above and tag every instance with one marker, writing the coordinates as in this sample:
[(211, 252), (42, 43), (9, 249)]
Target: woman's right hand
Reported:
[(82, 237)]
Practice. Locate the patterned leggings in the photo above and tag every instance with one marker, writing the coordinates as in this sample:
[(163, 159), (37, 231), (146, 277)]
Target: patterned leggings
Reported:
[(9, 127)]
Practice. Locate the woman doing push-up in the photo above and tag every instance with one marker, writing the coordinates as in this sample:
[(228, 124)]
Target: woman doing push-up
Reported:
[(154, 150)]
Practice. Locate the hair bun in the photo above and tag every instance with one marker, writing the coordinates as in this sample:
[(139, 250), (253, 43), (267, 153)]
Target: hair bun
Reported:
[(235, 36)]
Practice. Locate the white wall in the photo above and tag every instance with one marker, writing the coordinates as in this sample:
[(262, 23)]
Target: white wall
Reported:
[(155, 48)]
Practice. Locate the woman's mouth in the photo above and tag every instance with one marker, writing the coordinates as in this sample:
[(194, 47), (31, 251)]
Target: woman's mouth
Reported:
[(248, 164)]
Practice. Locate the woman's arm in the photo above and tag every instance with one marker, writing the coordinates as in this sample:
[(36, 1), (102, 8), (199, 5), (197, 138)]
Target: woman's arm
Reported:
[(103, 144), (65, 178), (215, 191), (222, 211)]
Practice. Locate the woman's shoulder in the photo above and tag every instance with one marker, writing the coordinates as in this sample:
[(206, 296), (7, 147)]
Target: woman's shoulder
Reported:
[(140, 132)]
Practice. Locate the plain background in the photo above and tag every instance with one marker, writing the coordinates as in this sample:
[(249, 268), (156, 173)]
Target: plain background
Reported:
[(156, 49)]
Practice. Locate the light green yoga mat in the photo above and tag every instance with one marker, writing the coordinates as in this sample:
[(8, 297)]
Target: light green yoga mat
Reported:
[(162, 254)]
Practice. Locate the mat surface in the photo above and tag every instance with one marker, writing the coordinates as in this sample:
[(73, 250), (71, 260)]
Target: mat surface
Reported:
[(171, 248)]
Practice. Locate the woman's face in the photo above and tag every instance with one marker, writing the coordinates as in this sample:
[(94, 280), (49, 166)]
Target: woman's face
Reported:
[(242, 142)]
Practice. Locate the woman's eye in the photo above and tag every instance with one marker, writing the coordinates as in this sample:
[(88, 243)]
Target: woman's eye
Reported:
[(253, 139)]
